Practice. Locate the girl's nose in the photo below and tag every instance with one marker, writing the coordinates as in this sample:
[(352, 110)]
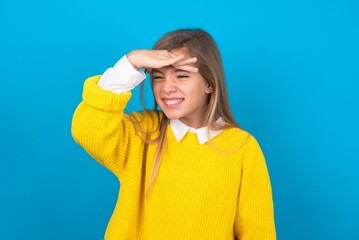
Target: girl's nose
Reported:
[(169, 87)]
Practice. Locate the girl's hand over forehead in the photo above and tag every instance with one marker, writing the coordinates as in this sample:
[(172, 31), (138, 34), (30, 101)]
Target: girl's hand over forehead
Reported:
[(150, 59), (186, 64)]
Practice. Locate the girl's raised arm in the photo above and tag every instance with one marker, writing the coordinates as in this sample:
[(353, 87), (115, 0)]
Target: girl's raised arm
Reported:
[(99, 124)]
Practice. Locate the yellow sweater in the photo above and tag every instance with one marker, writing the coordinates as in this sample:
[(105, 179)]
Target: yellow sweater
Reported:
[(211, 191)]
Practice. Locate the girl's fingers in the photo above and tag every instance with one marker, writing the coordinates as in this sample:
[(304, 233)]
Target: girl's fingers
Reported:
[(187, 61), (171, 54), (150, 59), (163, 58), (188, 68), (175, 59), (168, 61), (186, 64)]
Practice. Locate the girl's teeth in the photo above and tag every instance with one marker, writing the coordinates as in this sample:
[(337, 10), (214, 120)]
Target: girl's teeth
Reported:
[(172, 102)]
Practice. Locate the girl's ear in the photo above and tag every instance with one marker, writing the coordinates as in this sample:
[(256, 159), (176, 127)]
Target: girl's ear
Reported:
[(209, 89)]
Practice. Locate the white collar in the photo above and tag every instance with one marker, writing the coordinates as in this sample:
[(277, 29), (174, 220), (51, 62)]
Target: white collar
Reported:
[(180, 129)]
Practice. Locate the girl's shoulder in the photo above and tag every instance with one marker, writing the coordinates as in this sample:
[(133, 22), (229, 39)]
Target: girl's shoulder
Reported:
[(235, 133), (236, 139)]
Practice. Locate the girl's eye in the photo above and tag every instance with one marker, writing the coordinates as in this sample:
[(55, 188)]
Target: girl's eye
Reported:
[(157, 77), (182, 76)]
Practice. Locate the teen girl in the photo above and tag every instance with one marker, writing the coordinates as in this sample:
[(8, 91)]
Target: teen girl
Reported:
[(187, 171)]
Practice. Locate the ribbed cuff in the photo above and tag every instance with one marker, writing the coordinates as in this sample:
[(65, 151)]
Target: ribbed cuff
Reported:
[(101, 99)]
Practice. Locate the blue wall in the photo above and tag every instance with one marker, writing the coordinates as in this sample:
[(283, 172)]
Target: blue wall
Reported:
[(292, 69)]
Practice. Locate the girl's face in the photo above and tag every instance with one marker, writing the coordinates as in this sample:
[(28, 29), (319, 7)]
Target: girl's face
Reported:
[(180, 94)]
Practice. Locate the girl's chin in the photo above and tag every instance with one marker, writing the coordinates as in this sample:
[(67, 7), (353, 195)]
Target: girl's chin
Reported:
[(171, 115)]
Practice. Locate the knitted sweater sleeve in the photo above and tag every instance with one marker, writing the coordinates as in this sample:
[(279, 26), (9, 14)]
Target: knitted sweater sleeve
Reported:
[(255, 214), (100, 126)]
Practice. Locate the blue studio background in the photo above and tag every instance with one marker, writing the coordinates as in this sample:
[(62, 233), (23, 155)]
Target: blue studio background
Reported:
[(292, 69)]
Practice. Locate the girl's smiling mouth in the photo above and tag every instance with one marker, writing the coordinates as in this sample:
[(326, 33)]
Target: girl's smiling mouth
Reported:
[(172, 102)]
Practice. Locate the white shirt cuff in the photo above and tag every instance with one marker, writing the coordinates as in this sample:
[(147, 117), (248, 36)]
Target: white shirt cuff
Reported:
[(121, 78)]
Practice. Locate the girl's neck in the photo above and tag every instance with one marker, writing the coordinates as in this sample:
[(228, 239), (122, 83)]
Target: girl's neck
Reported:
[(193, 124)]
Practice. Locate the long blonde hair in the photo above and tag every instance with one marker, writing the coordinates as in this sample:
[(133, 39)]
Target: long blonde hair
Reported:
[(201, 45)]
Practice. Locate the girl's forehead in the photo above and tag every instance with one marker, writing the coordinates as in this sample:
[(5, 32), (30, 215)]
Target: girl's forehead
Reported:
[(182, 51)]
